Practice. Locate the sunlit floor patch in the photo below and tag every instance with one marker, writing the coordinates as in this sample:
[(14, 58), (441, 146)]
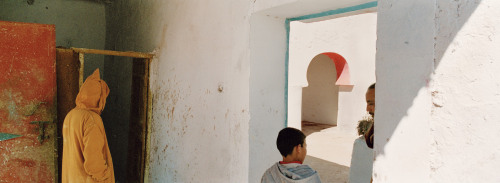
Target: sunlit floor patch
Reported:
[(329, 151)]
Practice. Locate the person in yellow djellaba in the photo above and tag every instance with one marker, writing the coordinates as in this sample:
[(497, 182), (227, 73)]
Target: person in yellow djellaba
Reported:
[(86, 156)]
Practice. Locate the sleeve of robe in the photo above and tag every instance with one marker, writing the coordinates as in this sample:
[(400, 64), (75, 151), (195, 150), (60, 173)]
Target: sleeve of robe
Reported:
[(369, 135), (95, 163)]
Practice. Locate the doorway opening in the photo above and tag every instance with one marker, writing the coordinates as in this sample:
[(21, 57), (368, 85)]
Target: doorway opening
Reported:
[(273, 101), (127, 113), (331, 63)]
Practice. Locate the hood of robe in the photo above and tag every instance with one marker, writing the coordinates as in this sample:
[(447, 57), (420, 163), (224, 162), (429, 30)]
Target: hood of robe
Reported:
[(93, 93), (296, 171), (291, 173)]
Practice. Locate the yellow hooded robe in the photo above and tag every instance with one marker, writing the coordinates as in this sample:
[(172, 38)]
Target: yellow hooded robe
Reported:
[(86, 156)]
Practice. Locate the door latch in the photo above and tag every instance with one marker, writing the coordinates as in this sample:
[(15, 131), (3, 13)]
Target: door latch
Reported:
[(41, 129)]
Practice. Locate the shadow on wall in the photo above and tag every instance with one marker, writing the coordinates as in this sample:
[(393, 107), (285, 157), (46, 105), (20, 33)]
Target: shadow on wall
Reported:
[(310, 127), (449, 24), (320, 100)]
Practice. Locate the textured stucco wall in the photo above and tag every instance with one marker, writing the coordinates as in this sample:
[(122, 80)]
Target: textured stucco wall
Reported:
[(199, 84), (354, 38), (437, 91), (465, 92), (71, 29)]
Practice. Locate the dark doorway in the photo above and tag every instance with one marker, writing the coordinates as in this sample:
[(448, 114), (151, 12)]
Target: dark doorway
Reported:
[(125, 115)]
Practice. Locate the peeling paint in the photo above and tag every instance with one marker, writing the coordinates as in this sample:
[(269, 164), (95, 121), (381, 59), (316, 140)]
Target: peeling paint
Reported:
[(24, 158), (32, 107), (12, 107)]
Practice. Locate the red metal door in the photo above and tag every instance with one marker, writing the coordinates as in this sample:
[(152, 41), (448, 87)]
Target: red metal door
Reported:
[(27, 102)]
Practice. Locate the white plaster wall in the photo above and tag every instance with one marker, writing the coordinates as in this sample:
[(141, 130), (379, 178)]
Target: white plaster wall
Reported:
[(320, 97), (405, 53), (201, 107), (267, 92), (466, 92), (218, 82), (354, 38), (437, 91), (200, 85)]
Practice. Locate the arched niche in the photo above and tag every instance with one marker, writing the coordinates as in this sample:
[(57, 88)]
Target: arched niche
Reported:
[(320, 99)]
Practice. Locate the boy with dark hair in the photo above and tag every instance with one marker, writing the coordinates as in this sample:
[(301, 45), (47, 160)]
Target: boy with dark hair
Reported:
[(292, 145)]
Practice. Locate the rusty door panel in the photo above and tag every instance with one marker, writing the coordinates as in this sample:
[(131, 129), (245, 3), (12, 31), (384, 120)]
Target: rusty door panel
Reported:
[(28, 102), (67, 89)]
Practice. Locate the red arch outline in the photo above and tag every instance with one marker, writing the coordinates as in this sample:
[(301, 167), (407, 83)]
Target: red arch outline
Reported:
[(343, 75)]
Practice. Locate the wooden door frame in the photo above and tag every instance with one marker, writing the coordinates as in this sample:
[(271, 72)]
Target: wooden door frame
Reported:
[(78, 54)]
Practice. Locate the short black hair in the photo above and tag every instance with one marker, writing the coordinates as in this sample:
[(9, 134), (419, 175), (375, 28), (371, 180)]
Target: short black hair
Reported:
[(288, 138), (372, 86)]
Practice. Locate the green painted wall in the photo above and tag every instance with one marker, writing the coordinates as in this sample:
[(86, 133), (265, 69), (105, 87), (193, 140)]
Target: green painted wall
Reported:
[(78, 23)]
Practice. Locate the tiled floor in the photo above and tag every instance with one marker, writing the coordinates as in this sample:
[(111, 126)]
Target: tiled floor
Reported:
[(328, 151)]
